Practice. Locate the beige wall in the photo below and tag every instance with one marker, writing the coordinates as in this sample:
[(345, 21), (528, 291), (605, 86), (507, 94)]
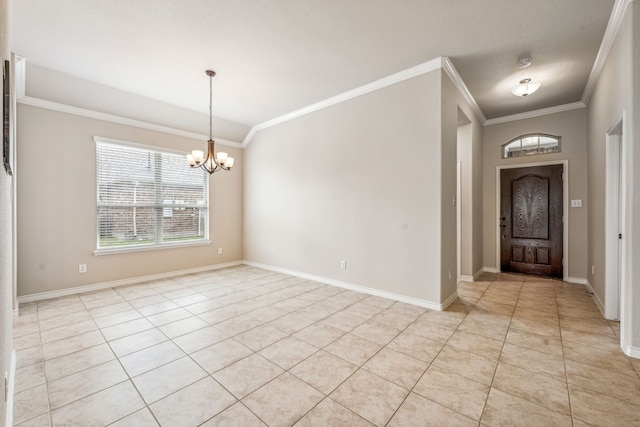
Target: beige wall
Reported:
[(449, 186), (617, 92), (470, 150), (611, 96), (57, 198), (360, 181), (572, 127), (6, 239), (477, 197)]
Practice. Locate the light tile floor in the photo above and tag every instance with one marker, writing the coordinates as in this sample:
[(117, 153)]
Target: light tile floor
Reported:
[(248, 347)]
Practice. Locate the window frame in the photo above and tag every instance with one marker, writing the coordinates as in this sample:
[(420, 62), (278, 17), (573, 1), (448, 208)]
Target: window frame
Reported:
[(160, 208), (537, 152)]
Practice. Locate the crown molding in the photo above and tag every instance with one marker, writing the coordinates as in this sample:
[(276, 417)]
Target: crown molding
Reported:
[(20, 74), (63, 108), (615, 20), (423, 68), (426, 67), (536, 113), (457, 81)]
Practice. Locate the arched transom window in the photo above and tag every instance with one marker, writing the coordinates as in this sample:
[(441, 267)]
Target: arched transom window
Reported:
[(531, 144)]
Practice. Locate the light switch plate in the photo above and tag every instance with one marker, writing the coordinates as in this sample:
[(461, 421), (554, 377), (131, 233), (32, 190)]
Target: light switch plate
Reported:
[(576, 203)]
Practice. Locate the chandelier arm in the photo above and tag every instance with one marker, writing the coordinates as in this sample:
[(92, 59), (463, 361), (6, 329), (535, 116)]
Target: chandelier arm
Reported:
[(212, 153), (204, 167)]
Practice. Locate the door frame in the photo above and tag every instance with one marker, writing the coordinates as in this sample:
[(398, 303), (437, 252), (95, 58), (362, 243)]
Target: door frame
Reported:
[(565, 209), (614, 221), (459, 221), (624, 260)]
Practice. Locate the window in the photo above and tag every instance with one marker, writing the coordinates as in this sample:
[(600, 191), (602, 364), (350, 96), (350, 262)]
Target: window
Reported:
[(531, 144), (148, 198)]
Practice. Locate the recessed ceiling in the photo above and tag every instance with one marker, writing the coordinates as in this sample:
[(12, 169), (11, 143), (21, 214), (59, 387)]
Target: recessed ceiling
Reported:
[(276, 56)]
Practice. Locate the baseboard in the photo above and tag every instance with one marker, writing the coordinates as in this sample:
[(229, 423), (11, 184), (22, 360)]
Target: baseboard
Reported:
[(631, 351), (358, 288), (490, 270), (123, 282), (595, 297), (133, 280), (449, 301), (473, 278), (11, 389), (577, 280)]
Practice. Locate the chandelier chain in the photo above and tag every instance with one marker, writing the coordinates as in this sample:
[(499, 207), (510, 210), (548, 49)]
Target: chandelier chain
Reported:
[(210, 107)]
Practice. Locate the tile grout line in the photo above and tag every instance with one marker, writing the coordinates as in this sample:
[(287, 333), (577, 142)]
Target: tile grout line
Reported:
[(431, 364), (564, 359), (46, 382), (327, 396), (254, 352), (116, 358), (129, 379), (247, 296), (504, 340), (325, 317)]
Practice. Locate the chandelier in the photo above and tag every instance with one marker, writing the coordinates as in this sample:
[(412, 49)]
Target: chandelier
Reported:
[(213, 162)]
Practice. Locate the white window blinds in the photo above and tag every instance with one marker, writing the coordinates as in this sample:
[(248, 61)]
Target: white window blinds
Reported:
[(148, 198)]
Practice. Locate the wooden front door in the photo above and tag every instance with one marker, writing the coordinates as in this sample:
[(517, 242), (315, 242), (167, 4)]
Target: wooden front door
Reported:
[(531, 220)]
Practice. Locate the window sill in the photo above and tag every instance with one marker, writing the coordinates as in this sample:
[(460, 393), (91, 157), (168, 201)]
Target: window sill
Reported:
[(145, 248)]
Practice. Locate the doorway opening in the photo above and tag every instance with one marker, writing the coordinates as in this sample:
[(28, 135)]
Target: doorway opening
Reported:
[(532, 218)]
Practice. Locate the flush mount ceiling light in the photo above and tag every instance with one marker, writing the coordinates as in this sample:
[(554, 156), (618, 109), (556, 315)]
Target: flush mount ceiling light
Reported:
[(214, 162), (525, 88)]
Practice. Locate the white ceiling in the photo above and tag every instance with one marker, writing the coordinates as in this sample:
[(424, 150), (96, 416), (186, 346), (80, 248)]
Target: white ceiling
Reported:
[(276, 56)]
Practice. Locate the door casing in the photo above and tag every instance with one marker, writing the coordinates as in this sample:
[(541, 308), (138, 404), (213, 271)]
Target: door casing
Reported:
[(565, 208), (614, 222)]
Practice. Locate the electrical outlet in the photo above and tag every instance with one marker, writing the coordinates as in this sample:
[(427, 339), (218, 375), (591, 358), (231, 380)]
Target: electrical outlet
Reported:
[(82, 268), (343, 264), (219, 251)]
